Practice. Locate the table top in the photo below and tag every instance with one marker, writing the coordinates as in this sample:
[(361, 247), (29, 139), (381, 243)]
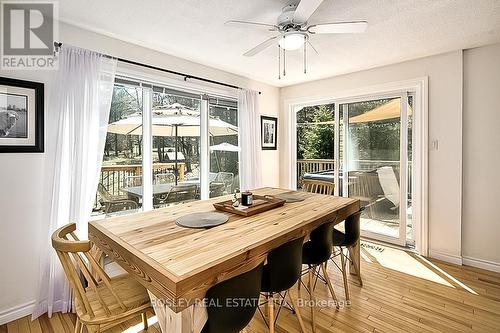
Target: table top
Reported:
[(158, 188), (178, 264)]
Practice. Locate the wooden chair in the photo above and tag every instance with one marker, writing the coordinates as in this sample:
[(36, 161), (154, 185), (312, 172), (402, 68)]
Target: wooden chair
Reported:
[(318, 186), (165, 178), (108, 200), (120, 207), (177, 194), (105, 302)]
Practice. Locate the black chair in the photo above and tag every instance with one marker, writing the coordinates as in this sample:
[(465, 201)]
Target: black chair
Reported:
[(226, 316), (345, 241), (315, 254), (282, 271)]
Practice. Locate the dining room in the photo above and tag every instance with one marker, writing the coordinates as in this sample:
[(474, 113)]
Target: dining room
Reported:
[(266, 166)]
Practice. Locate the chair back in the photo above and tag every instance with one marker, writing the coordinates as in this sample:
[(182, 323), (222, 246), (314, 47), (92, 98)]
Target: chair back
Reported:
[(389, 183), (284, 266), (75, 256), (224, 315), (226, 178), (164, 178), (131, 181), (352, 228), (217, 189), (121, 206), (318, 186), (319, 247), (104, 193), (178, 193)]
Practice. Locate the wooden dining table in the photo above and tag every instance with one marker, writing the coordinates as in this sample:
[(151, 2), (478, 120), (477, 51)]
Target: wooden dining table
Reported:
[(178, 265)]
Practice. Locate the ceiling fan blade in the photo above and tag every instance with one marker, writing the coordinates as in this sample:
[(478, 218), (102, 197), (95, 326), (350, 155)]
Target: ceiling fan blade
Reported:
[(304, 10), (339, 28), (261, 47), (248, 24)]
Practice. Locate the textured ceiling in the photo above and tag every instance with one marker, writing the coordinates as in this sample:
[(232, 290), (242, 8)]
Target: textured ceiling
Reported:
[(398, 30)]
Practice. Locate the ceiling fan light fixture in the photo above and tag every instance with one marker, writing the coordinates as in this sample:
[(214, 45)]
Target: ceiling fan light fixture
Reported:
[(292, 41)]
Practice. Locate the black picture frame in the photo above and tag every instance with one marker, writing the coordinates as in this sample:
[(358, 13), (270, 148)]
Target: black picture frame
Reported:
[(265, 137), (38, 128)]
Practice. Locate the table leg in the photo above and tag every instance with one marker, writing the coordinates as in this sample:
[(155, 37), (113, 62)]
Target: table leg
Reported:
[(189, 320), (355, 263)]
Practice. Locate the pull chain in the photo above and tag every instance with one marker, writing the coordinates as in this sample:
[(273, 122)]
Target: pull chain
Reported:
[(305, 57), (279, 62), (284, 63)]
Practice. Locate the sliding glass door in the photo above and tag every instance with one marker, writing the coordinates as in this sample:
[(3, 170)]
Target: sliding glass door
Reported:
[(375, 164)]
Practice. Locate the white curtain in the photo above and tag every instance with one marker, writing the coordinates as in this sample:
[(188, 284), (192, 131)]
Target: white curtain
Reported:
[(76, 133), (249, 128)]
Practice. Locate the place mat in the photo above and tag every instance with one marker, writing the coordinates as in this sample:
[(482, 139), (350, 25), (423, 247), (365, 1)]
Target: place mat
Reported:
[(290, 197), (202, 220)]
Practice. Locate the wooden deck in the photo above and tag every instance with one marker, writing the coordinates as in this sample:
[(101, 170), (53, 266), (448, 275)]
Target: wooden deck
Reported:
[(402, 292)]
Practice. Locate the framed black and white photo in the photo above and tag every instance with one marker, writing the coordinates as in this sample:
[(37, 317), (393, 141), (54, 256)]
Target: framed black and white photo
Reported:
[(21, 116), (269, 132)]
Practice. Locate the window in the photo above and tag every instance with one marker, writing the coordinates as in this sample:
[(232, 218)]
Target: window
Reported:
[(156, 147)]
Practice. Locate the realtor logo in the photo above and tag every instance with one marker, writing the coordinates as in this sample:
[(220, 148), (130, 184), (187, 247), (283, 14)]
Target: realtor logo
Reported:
[(28, 33)]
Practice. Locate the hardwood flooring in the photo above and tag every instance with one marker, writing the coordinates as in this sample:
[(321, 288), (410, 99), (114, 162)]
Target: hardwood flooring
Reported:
[(402, 292)]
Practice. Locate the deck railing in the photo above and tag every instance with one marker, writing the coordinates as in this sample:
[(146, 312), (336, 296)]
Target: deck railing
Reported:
[(113, 177), (317, 165)]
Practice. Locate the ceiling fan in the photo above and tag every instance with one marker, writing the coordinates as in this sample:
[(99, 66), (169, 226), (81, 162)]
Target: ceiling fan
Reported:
[(293, 32)]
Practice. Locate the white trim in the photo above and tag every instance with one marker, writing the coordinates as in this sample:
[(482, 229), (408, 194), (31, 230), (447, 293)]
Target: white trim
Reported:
[(147, 149), (451, 258), (480, 263), (204, 150), (17, 312)]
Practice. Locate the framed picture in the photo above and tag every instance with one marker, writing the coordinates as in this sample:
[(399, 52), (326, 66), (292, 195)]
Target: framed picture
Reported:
[(21, 116), (269, 132)]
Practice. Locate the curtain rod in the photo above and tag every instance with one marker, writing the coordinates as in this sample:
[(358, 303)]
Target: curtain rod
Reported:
[(57, 45)]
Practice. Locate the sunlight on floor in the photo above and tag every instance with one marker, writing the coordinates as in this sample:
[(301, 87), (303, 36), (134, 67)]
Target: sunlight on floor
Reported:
[(401, 261), (139, 327), (453, 279)]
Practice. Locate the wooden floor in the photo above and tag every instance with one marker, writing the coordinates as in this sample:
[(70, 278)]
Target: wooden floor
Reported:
[(402, 292)]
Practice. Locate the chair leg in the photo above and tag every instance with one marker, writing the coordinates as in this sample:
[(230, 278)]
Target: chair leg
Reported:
[(330, 287), (297, 313), (77, 325), (312, 299), (144, 317), (344, 275), (270, 305)]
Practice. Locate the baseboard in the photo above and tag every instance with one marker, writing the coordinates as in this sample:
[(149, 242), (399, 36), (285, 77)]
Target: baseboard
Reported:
[(16, 312), (451, 258), (480, 263)]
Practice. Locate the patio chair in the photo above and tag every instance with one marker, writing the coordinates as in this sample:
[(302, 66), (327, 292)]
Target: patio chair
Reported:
[(389, 184), (165, 178), (318, 186), (365, 186), (227, 178), (177, 194), (217, 189), (132, 181), (120, 207), (107, 199)]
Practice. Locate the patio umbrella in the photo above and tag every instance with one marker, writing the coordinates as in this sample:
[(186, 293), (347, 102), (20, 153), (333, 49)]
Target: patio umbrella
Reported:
[(389, 110), (172, 120), (224, 147)]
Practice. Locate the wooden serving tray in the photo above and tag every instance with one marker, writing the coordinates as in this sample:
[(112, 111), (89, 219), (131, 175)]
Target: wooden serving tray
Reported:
[(260, 204)]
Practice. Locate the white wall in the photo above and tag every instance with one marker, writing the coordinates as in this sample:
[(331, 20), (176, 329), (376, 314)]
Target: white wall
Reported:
[(23, 197), (445, 125), (481, 157)]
